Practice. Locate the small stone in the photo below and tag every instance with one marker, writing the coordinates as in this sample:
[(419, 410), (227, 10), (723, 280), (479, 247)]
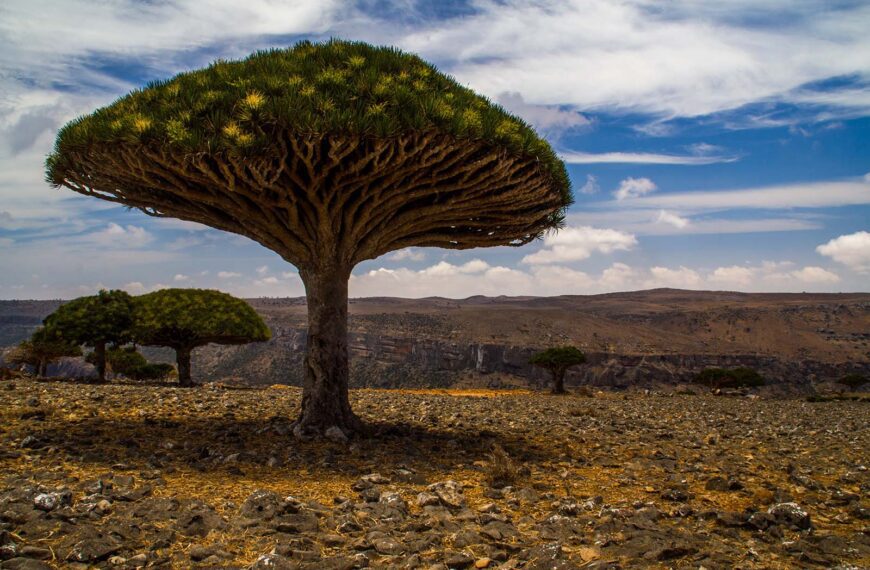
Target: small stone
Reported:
[(482, 562), (388, 546), (50, 501), (272, 562), (449, 493), (791, 514), (427, 499), (335, 435), (458, 560), (117, 560)]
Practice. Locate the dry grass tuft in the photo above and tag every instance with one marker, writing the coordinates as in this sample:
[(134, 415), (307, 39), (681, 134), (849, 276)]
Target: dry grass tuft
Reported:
[(500, 470)]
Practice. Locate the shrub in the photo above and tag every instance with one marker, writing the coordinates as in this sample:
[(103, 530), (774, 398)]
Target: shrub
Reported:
[(853, 380), (148, 371), (742, 377)]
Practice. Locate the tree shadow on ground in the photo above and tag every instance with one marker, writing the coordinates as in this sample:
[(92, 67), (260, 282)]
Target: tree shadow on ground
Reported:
[(247, 447)]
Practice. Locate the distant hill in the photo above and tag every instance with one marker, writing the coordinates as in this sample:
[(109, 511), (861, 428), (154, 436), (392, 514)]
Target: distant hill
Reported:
[(643, 335)]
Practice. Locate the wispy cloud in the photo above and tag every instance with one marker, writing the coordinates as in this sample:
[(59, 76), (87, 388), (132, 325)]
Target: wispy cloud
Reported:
[(576, 157)]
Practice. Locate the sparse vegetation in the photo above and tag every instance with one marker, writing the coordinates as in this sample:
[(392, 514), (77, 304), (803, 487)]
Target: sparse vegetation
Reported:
[(558, 360), (183, 319), (853, 380), (95, 321), (742, 377)]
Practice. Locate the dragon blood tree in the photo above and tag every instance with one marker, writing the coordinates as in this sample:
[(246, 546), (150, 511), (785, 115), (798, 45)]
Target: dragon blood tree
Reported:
[(96, 320), (328, 154), (183, 319)]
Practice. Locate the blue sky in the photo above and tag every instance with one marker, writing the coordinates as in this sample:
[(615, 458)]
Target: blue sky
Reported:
[(710, 145)]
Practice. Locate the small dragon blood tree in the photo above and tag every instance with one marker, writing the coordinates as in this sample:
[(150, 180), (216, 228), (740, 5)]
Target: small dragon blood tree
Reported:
[(328, 154), (184, 319)]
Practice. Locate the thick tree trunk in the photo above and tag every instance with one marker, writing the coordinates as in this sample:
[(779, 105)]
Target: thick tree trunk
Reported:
[(182, 359), (325, 400), (100, 353), (558, 381)]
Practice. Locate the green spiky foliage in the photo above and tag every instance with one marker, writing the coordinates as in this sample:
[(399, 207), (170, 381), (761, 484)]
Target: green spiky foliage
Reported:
[(42, 350), (338, 87), (741, 377), (183, 319), (328, 154), (95, 321), (558, 360)]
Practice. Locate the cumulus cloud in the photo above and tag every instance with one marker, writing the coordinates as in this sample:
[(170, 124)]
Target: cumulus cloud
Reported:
[(116, 236), (733, 275), (262, 270), (679, 278), (852, 250), (812, 274), (634, 188), (672, 219), (576, 243), (228, 274), (410, 254), (180, 278), (591, 185)]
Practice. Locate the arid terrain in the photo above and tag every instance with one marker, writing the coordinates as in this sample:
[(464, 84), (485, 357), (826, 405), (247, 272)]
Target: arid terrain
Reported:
[(127, 476), (662, 336)]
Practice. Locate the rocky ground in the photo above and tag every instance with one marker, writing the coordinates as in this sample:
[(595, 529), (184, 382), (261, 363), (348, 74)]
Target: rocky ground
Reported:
[(129, 476)]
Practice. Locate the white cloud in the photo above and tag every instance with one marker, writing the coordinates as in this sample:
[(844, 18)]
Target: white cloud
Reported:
[(813, 274), (576, 157), (852, 250), (591, 185), (676, 59), (634, 188), (262, 270), (117, 236), (180, 278), (641, 221), (410, 253), (576, 243), (547, 118), (733, 275), (272, 280), (228, 274), (801, 195), (672, 219), (680, 278)]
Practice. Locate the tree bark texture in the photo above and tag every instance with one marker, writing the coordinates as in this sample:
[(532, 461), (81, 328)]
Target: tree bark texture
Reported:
[(100, 352), (558, 380), (182, 359), (325, 400)]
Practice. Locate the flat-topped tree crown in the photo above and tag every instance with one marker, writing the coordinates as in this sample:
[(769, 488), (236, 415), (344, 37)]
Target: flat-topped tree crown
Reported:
[(328, 154), (336, 147), (183, 319)]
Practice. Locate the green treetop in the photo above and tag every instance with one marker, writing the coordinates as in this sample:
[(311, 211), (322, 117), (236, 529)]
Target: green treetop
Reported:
[(97, 320), (183, 319), (558, 360)]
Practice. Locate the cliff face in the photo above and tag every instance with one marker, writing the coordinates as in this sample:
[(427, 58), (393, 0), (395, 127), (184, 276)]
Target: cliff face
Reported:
[(388, 361)]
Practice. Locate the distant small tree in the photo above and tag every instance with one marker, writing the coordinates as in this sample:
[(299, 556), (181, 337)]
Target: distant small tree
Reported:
[(558, 360), (41, 350), (742, 377), (95, 321), (853, 380), (183, 319)]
